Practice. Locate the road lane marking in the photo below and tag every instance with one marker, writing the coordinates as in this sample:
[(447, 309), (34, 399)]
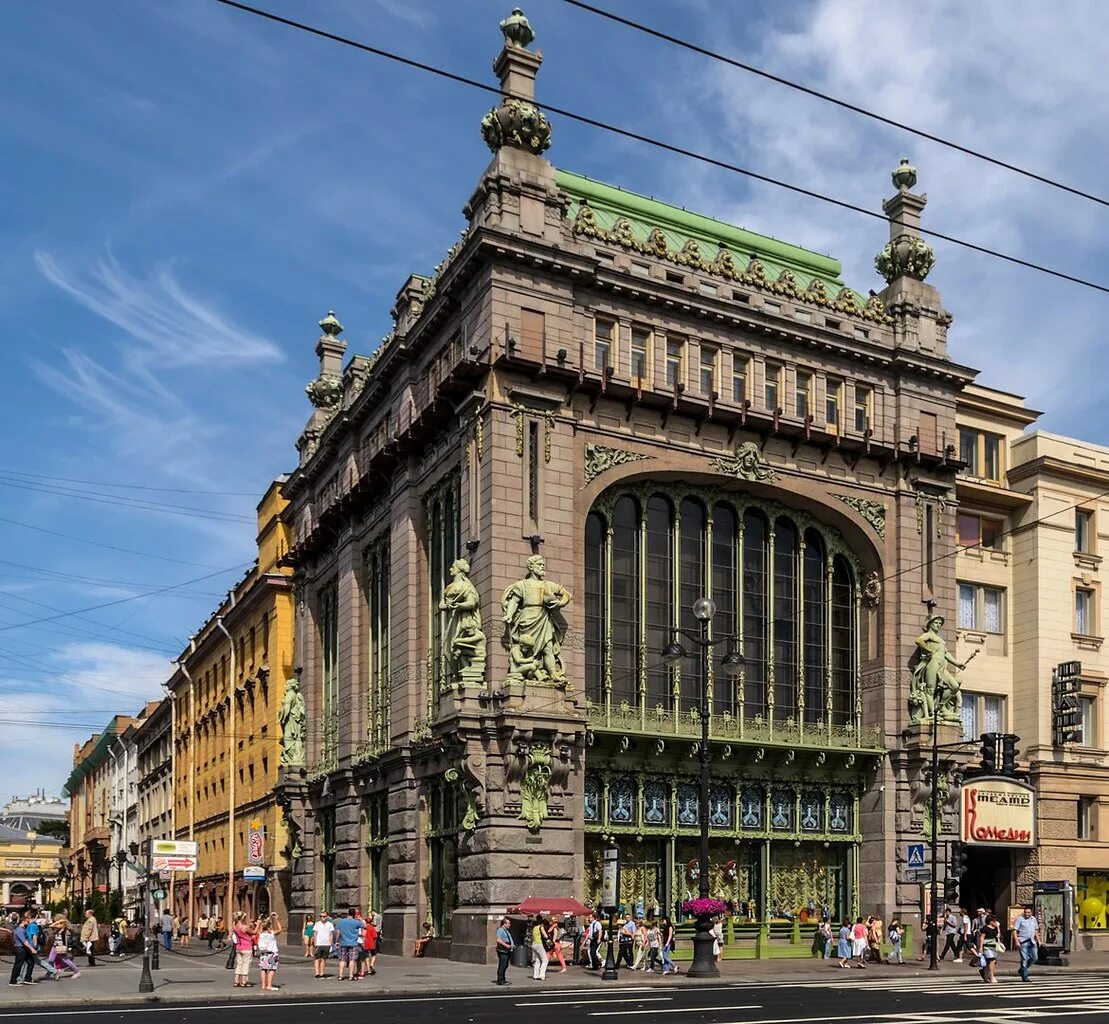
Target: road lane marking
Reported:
[(681, 1009), (604, 994)]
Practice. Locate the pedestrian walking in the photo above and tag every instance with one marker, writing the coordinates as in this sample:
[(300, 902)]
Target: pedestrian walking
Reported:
[(90, 931), (1026, 933), (626, 941), (268, 955), (989, 938), (306, 934), (322, 935), (964, 933), (166, 923), (554, 937), (717, 939), (60, 957), (594, 938), (221, 931), (243, 937), (184, 932), (894, 933), (505, 945), (952, 925), (350, 931), (24, 950), (654, 947), (844, 945), (667, 929), (822, 944), (858, 943), (539, 957), (202, 927)]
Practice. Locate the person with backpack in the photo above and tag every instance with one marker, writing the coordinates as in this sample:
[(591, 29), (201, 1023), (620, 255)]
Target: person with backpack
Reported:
[(894, 933)]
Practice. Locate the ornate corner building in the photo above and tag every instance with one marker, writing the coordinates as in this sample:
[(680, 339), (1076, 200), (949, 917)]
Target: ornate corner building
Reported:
[(661, 407)]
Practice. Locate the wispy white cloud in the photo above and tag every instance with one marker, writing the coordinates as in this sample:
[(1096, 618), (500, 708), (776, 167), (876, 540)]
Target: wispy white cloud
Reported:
[(169, 331)]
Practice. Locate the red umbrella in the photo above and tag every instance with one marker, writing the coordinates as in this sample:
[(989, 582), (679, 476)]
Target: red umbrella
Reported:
[(556, 906)]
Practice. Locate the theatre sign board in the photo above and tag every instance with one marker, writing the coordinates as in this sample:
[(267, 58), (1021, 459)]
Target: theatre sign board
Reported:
[(997, 811)]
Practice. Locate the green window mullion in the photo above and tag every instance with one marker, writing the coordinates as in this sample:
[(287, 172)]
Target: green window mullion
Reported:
[(857, 666), (709, 681), (770, 573), (800, 678), (642, 654), (828, 564), (741, 706), (607, 668), (675, 608)]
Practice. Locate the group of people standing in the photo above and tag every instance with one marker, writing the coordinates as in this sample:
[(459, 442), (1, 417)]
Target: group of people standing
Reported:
[(354, 939), (982, 936)]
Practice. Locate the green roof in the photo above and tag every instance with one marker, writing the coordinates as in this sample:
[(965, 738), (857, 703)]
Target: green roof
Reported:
[(644, 224)]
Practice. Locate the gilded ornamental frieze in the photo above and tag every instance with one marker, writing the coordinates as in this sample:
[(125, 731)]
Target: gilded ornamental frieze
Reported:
[(600, 459)]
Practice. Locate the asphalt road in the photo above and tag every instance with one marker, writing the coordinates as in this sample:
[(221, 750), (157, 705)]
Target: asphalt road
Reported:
[(850, 998)]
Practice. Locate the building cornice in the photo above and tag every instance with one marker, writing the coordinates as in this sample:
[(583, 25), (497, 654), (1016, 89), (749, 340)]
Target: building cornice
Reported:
[(1050, 465)]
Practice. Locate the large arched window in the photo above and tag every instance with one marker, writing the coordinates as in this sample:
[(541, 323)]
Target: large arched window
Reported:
[(783, 584)]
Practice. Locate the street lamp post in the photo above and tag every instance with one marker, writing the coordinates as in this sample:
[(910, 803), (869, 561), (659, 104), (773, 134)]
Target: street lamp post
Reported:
[(120, 859), (704, 608)]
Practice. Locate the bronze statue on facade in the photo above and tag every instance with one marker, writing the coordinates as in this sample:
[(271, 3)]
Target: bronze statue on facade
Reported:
[(465, 639), (291, 718), (532, 616), (935, 690)]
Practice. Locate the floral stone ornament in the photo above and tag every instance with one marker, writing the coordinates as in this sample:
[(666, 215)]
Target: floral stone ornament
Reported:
[(519, 124), (325, 392), (905, 257)]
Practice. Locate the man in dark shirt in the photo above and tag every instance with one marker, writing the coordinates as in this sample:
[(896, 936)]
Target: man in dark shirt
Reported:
[(505, 944), (24, 953)]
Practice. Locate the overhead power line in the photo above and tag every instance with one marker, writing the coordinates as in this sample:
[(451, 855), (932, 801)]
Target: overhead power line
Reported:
[(129, 487), (118, 601), (854, 108), (122, 501), (109, 547), (657, 143)]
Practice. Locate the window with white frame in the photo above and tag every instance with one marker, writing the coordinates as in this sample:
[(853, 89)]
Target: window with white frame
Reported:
[(864, 408), (981, 608), (739, 377), (1087, 716), (1084, 617), (772, 387), (982, 712), (832, 403), (675, 349), (709, 355), (1086, 806)]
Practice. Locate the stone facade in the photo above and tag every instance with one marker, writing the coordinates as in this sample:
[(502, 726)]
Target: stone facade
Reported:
[(154, 790), (581, 343)]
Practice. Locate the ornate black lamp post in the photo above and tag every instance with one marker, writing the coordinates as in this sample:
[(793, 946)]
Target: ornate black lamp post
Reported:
[(731, 665), (120, 859)]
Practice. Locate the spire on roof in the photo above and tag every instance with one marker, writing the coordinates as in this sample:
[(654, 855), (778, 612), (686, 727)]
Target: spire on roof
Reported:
[(516, 121), (906, 254)]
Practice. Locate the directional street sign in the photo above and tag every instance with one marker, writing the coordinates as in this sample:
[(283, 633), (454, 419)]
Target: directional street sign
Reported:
[(914, 855), (918, 875)]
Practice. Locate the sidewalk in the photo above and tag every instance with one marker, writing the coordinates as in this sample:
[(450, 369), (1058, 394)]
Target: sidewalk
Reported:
[(193, 978)]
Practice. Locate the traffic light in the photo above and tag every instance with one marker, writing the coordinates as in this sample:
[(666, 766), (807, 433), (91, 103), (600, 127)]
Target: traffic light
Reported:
[(1009, 751), (951, 890), (958, 860), (991, 741)]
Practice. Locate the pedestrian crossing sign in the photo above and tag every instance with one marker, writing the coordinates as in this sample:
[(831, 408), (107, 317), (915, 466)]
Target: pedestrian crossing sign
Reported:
[(915, 858)]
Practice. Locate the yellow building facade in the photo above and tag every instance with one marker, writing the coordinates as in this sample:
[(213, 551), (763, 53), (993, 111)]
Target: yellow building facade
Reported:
[(1033, 530), (226, 694)]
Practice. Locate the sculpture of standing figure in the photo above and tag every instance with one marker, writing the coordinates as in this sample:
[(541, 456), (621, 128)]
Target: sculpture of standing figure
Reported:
[(935, 689), (532, 615), (465, 639), (291, 718)]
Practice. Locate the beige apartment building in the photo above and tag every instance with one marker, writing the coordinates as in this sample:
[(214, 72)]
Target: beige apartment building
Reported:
[(1031, 528)]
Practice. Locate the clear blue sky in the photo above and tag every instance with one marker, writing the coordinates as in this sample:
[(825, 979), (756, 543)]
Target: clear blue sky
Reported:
[(186, 190)]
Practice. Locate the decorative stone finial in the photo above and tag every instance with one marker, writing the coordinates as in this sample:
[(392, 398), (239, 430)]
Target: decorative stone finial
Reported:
[(330, 325), (904, 175), (907, 256), (519, 124), (517, 29)]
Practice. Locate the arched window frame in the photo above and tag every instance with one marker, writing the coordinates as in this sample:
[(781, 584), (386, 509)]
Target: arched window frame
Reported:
[(645, 714)]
